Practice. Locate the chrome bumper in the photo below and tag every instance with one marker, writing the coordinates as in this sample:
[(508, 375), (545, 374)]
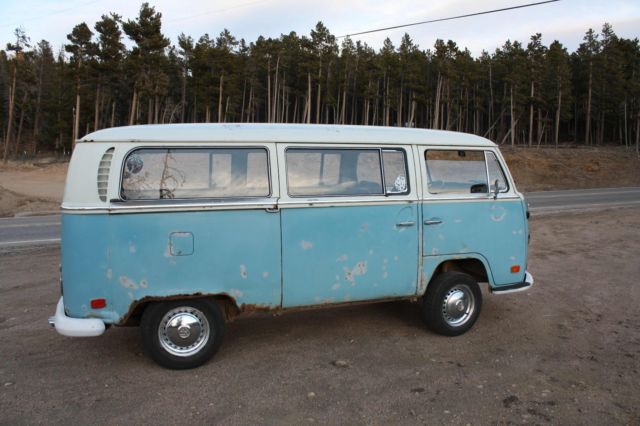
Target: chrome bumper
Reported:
[(525, 285), (75, 327)]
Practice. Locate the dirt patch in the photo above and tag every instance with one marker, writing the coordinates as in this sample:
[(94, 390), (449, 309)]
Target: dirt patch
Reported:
[(28, 188), (547, 169)]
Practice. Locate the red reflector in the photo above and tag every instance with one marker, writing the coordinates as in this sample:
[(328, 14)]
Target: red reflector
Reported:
[(515, 269), (98, 303)]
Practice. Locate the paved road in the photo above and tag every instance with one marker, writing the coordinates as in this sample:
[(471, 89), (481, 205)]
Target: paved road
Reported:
[(582, 199), (42, 230)]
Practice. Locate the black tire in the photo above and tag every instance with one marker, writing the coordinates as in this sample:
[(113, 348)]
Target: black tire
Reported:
[(452, 303), (169, 332)]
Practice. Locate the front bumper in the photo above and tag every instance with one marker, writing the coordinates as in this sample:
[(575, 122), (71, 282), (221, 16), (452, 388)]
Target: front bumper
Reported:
[(75, 327), (524, 285)]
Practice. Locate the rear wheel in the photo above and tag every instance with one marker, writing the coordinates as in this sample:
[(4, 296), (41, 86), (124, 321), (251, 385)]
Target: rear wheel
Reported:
[(452, 303), (182, 334)]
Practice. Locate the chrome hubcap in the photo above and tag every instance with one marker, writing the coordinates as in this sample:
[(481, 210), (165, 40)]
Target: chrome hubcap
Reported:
[(458, 305), (183, 331)]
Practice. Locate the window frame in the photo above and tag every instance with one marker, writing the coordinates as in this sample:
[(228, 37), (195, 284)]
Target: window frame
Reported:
[(167, 148), (380, 151)]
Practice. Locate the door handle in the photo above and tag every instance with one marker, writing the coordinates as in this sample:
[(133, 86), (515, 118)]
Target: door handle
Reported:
[(432, 222), (272, 209), (406, 223)]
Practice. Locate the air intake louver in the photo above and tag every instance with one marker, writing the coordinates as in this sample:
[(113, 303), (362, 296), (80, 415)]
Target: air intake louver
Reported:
[(103, 174)]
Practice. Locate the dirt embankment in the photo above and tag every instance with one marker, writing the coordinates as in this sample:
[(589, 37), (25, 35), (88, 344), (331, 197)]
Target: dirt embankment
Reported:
[(548, 169), (28, 188)]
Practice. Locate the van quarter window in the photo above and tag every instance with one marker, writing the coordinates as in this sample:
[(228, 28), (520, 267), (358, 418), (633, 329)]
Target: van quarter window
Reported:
[(495, 172), (182, 173), (339, 172), (456, 172)]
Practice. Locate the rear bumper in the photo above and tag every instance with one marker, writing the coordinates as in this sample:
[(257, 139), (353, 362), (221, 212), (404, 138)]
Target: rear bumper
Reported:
[(513, 288), (75, 327)]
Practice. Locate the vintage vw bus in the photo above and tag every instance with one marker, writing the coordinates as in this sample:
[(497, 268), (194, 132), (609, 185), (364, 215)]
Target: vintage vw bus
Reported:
[(179, 228)]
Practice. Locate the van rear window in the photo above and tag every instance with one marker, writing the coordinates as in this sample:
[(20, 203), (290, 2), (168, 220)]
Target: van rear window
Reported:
[(183, 173)]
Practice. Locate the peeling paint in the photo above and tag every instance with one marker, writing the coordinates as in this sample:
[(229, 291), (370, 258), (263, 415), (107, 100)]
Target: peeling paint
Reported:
[(364, 227), (243, 272), (127, 282), (335, 286), (109, 273), (441, 237), (131, 296), (498, 213), (265, 275), (385, 275), (434, 251), (132, 248), (306, 245), (359, 269), (144, 283), (342, 258), (235, 293)]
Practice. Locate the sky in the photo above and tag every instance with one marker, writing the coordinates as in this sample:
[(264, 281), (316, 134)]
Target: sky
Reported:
[(566, 20)]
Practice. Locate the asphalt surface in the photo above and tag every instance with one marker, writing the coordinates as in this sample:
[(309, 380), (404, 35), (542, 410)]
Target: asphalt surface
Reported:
[(20, 232)]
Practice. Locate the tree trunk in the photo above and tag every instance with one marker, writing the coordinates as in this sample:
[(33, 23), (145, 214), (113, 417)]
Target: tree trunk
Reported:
[(531, 114), (76, 120), (134, 104), (626, 138), (12, 102), (557, 129), (96, 111), (20, 123), (308, 106), (318, 95), (183, 95), (513, 125), (588, 125), (436, 104), (638, 134), (220, 98), (113, 113)]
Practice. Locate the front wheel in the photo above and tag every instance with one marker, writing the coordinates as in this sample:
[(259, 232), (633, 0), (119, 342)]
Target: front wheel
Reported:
[(452, 303), (182, 334)]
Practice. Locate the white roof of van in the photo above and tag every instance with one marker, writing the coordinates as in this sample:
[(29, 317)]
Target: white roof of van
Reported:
[(290, 133)]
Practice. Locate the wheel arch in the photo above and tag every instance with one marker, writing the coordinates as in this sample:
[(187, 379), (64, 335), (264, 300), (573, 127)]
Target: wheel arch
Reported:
[(227, 304), (474, 265)]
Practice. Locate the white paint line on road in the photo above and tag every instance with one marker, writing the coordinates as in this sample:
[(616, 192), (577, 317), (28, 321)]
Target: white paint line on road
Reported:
[(582, 207), (23, 242), (541, 195), (28, 225)]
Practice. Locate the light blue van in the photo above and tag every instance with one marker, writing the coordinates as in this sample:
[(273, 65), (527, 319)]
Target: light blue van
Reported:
[(179, 228)]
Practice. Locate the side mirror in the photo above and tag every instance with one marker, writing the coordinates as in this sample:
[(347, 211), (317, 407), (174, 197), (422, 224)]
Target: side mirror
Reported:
[(496, 189)]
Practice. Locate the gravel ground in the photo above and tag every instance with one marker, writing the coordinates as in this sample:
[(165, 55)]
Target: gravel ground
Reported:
[(565, 352)]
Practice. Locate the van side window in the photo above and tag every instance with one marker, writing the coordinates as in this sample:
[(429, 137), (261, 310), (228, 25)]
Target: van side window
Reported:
[(183, 173), (456, 172), (330, 172), (495, 172)]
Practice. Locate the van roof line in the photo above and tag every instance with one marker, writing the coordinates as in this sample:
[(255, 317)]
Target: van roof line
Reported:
[(289, 133)]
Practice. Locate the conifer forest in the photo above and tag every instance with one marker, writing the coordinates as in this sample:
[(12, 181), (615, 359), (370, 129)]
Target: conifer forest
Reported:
[(520, 94)]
